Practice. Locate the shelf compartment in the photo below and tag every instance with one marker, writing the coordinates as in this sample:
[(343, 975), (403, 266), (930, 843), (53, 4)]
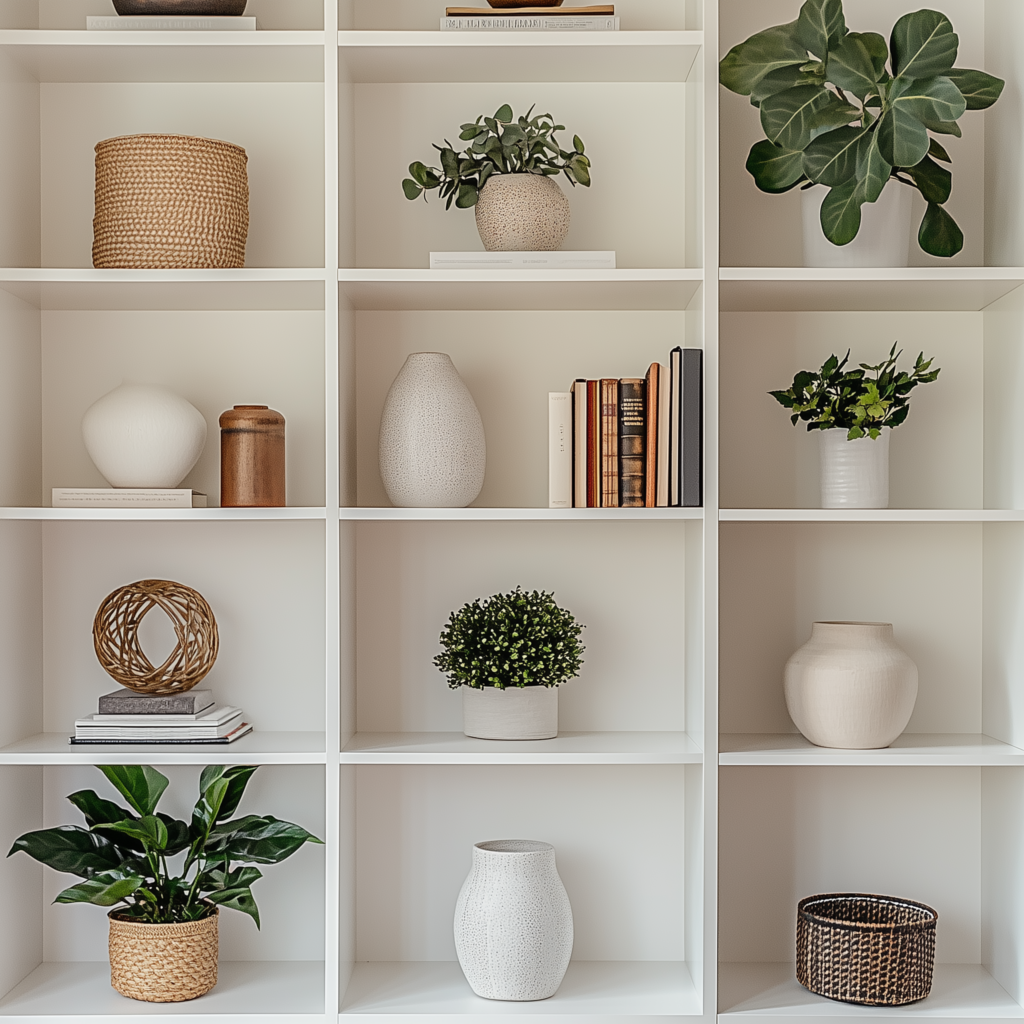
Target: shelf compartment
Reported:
[(271, 991), (484, 290), (770, 994), (377, 56), (908, 749), (591, 990), (567, 748)]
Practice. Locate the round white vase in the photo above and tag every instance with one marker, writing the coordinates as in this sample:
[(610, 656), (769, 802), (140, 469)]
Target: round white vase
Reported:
[(513, 713), (522, 212), (143, 435), (854, 474), (432, 448), (851, 685), (513, 922), (882, 241)]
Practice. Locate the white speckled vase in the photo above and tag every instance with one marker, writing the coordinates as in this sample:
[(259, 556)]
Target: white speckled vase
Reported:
[(522, 213), (854, 474), (513, 922), (512, 713), (432, 448), (851, 686), (143, 435)]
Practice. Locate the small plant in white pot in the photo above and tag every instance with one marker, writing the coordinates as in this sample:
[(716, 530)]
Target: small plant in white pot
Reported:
[(507, 172), (854, 410), (509, 653)]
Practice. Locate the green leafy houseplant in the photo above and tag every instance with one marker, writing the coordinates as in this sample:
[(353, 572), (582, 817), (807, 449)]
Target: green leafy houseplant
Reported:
[(842, 109), (123, 855), (502, 144), (514, 639), (837, 398)]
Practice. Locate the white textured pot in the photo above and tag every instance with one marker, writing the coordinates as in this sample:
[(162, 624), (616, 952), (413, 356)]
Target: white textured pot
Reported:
[(432, 448), (143, 435), (883, 239), (851, 685), (854, 474), (514, 713), (513, 922), (522, 212)]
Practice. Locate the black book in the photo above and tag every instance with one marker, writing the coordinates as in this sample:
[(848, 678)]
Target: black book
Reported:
[(632, 428), (691, 442)]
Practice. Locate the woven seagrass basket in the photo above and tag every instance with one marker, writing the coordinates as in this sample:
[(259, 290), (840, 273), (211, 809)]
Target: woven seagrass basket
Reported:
[(163, 963), (861, 948), (166, 202)]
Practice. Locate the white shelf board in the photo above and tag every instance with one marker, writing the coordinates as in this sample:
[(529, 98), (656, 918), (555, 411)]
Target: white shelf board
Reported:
[(149, 515), (591, 989), (775, 289), (257, 747), (908, 749), (274, 992), (79, 56), (771, 994), (566, 748), (516, 514), (870, 515), (520, 289), (556, 56), (88, 288)]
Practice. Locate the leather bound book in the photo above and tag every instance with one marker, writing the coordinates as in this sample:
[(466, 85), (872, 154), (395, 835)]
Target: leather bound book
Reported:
[(609, 443), (632, 438)]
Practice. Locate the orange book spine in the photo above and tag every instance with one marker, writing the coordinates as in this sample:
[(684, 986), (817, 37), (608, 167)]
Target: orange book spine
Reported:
[(609, 442), (653, 383), (593, 444)]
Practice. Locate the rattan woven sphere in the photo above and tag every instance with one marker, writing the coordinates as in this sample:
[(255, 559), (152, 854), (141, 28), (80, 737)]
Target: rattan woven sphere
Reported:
[(115, 634)]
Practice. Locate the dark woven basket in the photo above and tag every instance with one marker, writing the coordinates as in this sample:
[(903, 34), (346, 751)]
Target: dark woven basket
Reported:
[(861, 948)]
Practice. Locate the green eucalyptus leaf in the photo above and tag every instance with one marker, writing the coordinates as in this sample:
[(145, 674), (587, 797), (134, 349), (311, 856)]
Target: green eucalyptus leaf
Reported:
[(840, 213), (820, 26), (832, 159), (923, 44), (788, 117), (69, 848), (468, 196), (449, 162), (748, 62), (774, 169), (937, 151), (857, 64), (503, 114), (103, 890), (577, 144), (139, 784), (939, 233), (933, 182), (978, 89)]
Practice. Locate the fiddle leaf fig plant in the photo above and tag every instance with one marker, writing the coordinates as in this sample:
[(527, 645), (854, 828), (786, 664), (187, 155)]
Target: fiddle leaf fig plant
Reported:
[(502, 144), (123, 856), (845, 110), (836, 398)]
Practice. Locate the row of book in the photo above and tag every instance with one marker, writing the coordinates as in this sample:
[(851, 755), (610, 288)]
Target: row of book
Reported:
[(630, 442), (596, 18)]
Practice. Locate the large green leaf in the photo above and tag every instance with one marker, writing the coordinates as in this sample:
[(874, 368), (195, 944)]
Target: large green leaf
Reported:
[(178, 835), (873, 170), (70, 848), (257, 840), (748, 62), (923, 44), (238, 777), (820, 26), (944, 128), (934, 182), (140, 785), (840, 213), (782, 79), (939, 233), (928, 99), (237, 899), (978, 89), (218, 876), (788, 117), (96, 810), (902, 139), (832, 158), (857, 64), (103, 890), (150, 831), (774, 169)]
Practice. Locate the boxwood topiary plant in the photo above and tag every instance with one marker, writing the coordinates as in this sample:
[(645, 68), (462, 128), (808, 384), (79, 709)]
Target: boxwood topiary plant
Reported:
[(513, 639), (835, 114)]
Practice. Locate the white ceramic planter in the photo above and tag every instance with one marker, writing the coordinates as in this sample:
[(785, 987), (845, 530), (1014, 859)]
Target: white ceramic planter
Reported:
[(143, 435), (854, 474), (851, 685), (432, 448), (883, 239), (522, 212), (513, 922), (514, 713)]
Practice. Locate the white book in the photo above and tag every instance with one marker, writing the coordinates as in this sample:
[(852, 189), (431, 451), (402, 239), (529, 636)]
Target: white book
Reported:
[(238, 730), (664, 415), (212, 718), (126, 732), (557, 260), (559, 449), (127, 497), (167, 23), (538, 23), (579, 443)]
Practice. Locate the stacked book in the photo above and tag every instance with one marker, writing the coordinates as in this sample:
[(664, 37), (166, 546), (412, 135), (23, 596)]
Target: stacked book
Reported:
[(193, 717), (599, 18), (630, 442)]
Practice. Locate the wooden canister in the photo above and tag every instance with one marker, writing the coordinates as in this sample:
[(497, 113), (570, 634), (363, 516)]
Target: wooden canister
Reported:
[(252, 457)]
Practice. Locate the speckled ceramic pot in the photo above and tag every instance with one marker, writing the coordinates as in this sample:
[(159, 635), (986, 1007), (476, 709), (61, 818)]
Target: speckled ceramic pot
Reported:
[(513, 922), (522, 213)]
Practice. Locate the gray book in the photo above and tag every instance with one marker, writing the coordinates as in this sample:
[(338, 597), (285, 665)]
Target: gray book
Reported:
[(127, 702)]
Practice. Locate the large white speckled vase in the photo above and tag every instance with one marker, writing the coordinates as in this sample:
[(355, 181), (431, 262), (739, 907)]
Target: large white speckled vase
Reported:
[(432, 448), (513, 922), (522, 213)]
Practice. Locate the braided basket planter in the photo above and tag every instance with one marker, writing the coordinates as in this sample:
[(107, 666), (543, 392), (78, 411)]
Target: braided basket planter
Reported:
[(861, 948), (168, 202), (163, 963)]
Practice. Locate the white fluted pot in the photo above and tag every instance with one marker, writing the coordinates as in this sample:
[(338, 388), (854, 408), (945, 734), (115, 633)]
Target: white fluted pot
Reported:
[(854, 474), (851, 685), (511, 713), (432, 448), (522, 212), (513, 922), (143, 435)]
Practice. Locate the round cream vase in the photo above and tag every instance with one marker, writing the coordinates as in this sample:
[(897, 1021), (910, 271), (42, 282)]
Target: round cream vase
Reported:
[(522, 213), (514, 713)]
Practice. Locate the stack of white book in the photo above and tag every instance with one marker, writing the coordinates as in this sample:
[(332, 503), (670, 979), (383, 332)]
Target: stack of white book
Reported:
[(192, 717)]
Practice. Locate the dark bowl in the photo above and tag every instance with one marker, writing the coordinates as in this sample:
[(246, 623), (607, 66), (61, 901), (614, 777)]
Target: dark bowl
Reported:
[(183, 8)]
